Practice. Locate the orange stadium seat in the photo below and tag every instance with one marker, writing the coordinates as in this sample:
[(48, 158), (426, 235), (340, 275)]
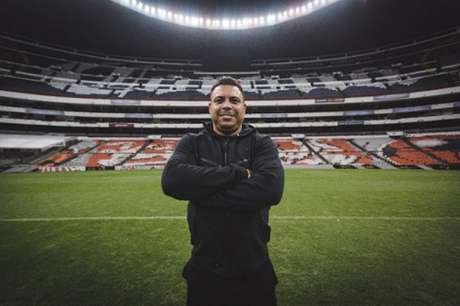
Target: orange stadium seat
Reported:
[(340, 151), (161, 146), (441, 146), (406, 155), (61, 157), (94, 160)]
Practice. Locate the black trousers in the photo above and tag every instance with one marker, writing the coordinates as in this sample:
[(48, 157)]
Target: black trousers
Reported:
[(205, 288)]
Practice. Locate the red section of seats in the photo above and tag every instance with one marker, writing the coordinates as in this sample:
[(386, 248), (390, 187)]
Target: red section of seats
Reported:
[(59, 158), (161, 146), (120, 146), (343, 147), (450, 156), (287, 144), (408, 156), (95, 158)]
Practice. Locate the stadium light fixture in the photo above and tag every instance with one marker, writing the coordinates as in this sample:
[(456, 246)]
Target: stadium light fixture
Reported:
[(226, 23)]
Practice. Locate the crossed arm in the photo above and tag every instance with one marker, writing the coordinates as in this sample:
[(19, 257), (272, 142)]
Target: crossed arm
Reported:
[(226, 187)]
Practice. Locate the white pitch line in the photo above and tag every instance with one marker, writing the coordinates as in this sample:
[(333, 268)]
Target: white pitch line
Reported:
[(334, 218), (102, 218), (385, 218)]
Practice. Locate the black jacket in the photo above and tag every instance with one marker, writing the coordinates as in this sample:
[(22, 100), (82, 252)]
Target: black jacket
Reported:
[(227, 212)]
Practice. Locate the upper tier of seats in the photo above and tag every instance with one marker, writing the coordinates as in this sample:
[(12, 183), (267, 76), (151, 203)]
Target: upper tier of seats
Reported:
[(31, 67)]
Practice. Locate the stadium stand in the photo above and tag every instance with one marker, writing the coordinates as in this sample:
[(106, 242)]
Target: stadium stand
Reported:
[(122, 146), (401, 153), (21, 153), (443, 147), (344, 105), (27, 66), (106, 154), (438, 151), (69, 153), (340, 153), (294, 153), (153, 155)]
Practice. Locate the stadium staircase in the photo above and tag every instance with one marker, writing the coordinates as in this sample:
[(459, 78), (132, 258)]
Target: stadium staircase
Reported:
[(382, 162), (341, 92), (317, 153), (76, 155), (130, 156)]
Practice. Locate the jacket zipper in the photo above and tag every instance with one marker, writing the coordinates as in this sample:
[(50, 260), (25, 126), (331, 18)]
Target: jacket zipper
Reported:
[(225, 149)]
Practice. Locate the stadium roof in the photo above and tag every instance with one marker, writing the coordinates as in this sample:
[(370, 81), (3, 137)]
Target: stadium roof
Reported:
[(106, 27)]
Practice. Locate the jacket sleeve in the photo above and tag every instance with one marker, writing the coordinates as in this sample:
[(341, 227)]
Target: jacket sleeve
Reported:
[(183, 179), (264, 188)]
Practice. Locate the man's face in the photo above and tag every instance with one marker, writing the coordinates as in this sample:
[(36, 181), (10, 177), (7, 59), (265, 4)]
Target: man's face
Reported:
[(227, 109)]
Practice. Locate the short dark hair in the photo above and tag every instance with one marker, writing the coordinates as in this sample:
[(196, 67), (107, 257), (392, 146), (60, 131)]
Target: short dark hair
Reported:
[(227, 80)]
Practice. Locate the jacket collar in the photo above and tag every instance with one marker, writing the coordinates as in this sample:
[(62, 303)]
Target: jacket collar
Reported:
[(246, 130)]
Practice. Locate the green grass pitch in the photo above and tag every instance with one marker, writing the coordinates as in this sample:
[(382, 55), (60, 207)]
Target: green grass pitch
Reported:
[(339, 237)]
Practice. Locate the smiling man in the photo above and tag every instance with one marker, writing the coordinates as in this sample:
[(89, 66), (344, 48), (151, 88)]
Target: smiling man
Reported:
[(231, 176), (227, 108)]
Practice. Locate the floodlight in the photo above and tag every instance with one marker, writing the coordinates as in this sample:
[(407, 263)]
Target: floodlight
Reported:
[(194, 21), (207, 22), (271, 19), (262, 20)]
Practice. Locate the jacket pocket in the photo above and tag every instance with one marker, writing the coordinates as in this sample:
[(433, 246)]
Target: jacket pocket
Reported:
[(265, 229)]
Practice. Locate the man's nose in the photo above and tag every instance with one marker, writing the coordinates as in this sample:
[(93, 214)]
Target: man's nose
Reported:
[(227, 104)]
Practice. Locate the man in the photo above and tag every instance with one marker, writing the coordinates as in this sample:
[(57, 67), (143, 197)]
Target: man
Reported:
[(230, 175)]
